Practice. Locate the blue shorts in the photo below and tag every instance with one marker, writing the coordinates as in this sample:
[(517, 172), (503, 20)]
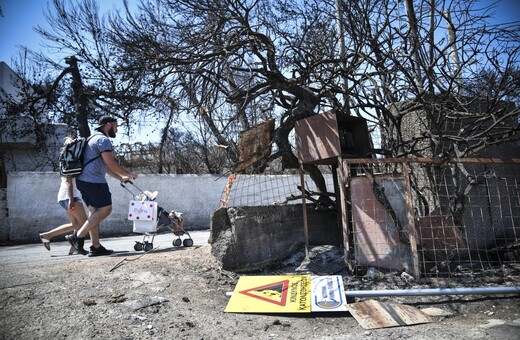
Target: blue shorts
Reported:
[(65, 203), (96, 195)]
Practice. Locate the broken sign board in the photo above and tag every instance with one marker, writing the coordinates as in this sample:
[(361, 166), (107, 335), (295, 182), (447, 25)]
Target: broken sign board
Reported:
[(287, 294), (373, 314), (254, 145), (328, 294)]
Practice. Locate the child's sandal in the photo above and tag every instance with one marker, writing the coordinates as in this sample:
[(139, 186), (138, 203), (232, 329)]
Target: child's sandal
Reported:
[(46, 242)]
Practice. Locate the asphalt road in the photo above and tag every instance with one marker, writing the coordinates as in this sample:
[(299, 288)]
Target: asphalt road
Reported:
[(27, 255)]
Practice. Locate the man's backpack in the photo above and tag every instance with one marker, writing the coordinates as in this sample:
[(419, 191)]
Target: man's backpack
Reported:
[(71, 157)]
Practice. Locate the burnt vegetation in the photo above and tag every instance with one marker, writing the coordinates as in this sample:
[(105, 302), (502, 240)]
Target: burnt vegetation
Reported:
[(431, 77)]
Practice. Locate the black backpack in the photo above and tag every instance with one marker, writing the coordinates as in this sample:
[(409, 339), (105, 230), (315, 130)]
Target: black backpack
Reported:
[(71, 157)]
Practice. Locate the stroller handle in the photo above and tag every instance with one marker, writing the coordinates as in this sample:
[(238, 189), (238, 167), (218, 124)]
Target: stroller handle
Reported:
[(123, 183)]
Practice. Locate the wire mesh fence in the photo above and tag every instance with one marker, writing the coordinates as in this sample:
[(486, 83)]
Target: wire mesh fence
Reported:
[(445, 219), (429, 217), (266, 189)]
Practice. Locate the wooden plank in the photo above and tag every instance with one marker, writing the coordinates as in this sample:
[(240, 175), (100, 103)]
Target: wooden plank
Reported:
[(439, 236), (317, 138), (373, 314)]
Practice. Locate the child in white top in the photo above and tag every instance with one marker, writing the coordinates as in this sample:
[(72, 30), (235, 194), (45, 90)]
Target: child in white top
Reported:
[(70, 199)]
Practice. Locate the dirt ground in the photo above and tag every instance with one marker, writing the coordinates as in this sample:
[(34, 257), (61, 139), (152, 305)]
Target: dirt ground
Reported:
[(179, 293)]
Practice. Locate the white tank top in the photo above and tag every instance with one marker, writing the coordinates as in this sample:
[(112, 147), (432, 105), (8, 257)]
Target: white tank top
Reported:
[(62, 193)]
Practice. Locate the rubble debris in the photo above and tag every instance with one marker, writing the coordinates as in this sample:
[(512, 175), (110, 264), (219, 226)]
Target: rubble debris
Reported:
[(145, 302), (89, 302), (439, 312), (117, 298)]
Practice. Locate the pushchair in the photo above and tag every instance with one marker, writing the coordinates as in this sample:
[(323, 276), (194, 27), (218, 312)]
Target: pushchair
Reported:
[(148, 218)]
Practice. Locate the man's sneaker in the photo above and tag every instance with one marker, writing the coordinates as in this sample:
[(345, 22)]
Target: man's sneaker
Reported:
[(77, 242), (100, 251)]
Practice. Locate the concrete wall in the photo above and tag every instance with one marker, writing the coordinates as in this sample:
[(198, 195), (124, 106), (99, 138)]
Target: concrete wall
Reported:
[(32, 206), (10, 82), (4, 235), (245, 239), (22, 153)]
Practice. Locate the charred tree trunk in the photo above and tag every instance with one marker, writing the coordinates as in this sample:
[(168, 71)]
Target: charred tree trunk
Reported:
[(80, 97), (164, 137), (414, 42)]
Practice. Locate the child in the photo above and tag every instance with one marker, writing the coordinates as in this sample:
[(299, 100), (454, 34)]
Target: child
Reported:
[(70, 199)]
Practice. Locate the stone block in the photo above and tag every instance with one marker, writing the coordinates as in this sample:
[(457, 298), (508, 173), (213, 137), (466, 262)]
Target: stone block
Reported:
[(250, 238)]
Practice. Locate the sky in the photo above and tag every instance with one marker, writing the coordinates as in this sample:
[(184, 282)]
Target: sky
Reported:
[(20, 16)]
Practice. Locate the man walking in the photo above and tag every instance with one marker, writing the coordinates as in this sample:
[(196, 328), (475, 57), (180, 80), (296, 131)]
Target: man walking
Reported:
[(93, 185)]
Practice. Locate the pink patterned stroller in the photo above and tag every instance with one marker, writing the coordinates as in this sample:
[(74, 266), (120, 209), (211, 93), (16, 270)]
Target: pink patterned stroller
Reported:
[(148, 218)]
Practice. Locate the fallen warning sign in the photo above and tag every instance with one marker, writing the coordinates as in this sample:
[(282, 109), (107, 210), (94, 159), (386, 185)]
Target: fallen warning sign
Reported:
[(287, 294), (271, 294)]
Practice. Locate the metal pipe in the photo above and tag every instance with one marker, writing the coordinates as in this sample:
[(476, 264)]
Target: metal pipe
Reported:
[(435, 291)]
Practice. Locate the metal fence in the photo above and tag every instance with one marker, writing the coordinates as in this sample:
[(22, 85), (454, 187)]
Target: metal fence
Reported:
[(435, 218), (428, 217)]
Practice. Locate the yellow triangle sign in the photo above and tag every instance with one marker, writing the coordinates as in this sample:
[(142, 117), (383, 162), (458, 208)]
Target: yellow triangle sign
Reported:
[(271, 294), (275, 292)]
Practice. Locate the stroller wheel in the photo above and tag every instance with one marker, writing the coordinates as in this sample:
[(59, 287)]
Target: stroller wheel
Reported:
[(148, 246), (138, 246), (177, 242), (188, 242)]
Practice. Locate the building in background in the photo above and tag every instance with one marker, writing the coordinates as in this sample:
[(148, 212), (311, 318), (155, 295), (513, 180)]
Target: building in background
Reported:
[(25, 145)]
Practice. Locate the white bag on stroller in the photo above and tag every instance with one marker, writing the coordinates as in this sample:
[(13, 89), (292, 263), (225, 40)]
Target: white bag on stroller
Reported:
[(148, 217), (144, 216)]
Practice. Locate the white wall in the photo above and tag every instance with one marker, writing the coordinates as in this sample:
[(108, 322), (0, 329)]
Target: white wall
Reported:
[(32, 206)]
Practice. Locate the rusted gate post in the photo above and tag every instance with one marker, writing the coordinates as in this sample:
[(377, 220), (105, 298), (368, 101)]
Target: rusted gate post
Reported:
[(412, 232), (343, 171), (304, 205)]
